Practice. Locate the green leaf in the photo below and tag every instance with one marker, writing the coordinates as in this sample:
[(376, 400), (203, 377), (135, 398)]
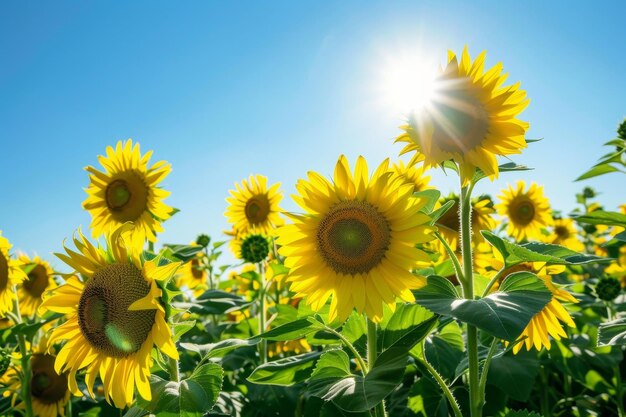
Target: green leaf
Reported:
[(191, 397), (355, 330), (514, 254), (508, 167), (291, 331), (182, 253), (612, 333), (287, 371), (444, 350), (216, 302), (404, 318), (219, 349), (608, 218), (596, 171), (514, 374), (503, 314), (431, 196), (437, 214), (356, 393), (181, 328)]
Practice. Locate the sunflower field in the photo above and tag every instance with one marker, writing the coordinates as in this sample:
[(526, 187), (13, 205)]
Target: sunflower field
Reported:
[(383, 296)]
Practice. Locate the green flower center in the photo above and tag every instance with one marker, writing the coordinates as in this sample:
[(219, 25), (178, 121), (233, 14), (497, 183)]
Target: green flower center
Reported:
[(118, 194), (103, 314), (127, 197), (353, 237)]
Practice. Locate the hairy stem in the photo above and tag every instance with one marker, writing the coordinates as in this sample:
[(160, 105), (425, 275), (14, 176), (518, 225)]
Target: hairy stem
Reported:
[(442, 384), (372, 354), (476, 404), (263, 343)]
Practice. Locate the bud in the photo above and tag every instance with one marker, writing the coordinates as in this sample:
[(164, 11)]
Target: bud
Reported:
[(608, 288), (589, 192), (255, 248), (621, 130), (203, 240)]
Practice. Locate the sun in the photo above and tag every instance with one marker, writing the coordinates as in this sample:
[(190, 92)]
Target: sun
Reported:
[(407, 81)]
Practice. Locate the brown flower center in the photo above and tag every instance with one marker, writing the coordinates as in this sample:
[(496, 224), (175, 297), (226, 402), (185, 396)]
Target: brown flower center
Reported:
[(353, 237), (46, 385), (257, 209), (37, 281), (460, 120), (522, 211), (103, 314), (4, 271)]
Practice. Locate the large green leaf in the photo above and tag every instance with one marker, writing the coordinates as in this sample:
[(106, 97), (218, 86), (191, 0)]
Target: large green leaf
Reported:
[(215, 302), (514, 254), (182, 253), (444, 349), (612, 333), (598, 170), (287, 371), (219, 349), (608, 218), (514, 374), (294, 330), (191, 397), (355, 330), (508, 167), (355, 393), (503, 314), (404, 318)]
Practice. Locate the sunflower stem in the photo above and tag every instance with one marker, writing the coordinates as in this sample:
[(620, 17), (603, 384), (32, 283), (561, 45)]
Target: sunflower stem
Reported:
[(458, 270), (491, 283), (263, 344), (476, 403), (372, 354), (483, 375), (442, 384), (350, 346), (21, 340), (174, 372)]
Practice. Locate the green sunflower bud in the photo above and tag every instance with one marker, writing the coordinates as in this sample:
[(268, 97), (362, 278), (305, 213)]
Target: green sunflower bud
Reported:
[(621, 130), (255, 248), (608, 288), (203, 240)]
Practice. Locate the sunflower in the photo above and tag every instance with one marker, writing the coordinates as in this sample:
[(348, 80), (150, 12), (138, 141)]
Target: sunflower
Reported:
[(10, 275), (254, 207), (40, 279), (547, 322), (127, 192), (49, 391), (356, 244), (113, 317), (564, 233), (471, 119), (449, 226), (528, 211), (412, 174)]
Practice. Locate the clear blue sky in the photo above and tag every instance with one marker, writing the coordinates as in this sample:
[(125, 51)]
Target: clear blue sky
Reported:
[(225, 89)]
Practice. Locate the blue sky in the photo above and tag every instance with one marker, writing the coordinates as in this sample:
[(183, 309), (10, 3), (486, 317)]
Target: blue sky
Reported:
[(225, 89)]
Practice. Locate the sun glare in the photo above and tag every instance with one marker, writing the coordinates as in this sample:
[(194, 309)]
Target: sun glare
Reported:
[(407, 82)]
